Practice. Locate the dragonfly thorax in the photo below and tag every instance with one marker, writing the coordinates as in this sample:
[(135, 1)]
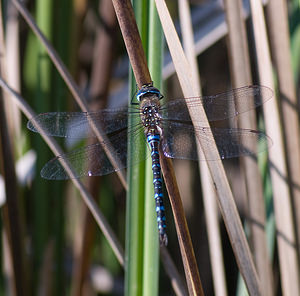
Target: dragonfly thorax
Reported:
[(149, 113)]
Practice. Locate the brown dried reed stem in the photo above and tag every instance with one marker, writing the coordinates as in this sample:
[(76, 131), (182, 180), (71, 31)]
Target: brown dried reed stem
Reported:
[(11, 211)]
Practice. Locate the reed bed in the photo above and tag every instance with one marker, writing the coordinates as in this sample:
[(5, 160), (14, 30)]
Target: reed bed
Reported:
[(233, 225)]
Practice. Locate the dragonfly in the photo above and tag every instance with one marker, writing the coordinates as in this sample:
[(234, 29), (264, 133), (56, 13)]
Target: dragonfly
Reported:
[(165, 127)]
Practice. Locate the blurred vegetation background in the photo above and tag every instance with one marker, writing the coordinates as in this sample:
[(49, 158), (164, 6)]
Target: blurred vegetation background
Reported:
[(50, 244)]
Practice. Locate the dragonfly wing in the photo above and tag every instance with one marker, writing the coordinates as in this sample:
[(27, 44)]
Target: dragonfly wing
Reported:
[(77, 124), (220, 106), (179, 141), (92, 160)]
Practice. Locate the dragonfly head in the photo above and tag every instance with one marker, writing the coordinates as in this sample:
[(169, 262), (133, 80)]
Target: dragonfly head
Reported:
[(148, 91)]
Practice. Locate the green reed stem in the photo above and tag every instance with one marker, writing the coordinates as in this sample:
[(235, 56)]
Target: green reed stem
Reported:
[(38, 82), (151, 249), (136, 188)]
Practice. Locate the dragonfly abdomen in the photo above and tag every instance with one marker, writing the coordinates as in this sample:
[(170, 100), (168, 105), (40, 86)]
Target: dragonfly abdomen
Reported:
[(153, 141)]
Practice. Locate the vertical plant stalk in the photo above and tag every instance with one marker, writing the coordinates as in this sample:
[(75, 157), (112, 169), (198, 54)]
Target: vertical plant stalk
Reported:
[(135, 198), (13, 71), (280, 47), (241, 75), (151, 241), (135, 207), (184, 238), (38, 78), (132, 41), (289, 270), (10, 211), (226, 202), (62, 25), (208, 190)]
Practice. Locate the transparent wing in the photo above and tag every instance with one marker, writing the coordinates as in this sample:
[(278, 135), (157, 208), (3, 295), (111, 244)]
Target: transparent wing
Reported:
[(220, 106), (77, 124), (179, 141), (92, 160), (217, 107)]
